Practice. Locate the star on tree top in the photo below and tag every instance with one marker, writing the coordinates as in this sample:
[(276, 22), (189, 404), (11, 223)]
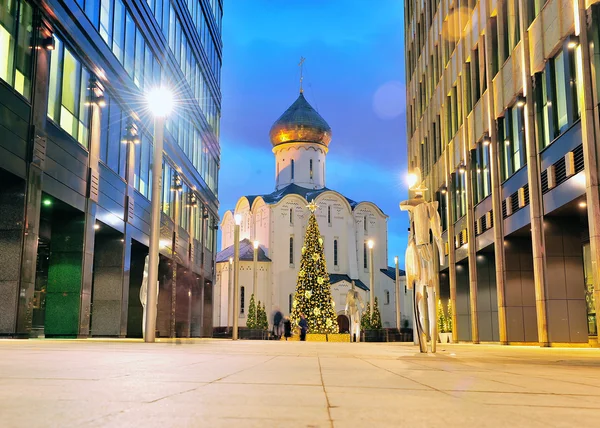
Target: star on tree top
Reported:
[(312, 206)]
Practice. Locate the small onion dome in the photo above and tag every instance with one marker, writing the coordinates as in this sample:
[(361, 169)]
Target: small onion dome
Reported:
[(300, 123)]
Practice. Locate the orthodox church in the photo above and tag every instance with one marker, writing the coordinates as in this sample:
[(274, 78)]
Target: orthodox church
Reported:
[(276, 223)]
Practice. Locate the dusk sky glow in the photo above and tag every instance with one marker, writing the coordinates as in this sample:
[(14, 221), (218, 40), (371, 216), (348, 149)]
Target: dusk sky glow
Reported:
[(353, 76)]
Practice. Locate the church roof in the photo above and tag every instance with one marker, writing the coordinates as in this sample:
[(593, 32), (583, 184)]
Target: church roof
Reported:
[(334, 278), (294, 189), (300, 123), (390, 272), (246, 253)]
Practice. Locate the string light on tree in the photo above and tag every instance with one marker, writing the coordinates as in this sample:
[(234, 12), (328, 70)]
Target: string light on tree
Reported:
[(313, 293)]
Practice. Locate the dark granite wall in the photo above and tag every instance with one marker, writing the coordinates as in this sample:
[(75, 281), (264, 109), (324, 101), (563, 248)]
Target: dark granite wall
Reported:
[(463, 306), (107, 285), (521, 318), (487, 299), (136, 274), (567, 315), (12, 206)]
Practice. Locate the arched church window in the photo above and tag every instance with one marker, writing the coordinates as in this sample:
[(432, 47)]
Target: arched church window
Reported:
[(387, 297), (291, 250), (311, 169), (242, 298), (292, 167), (335, 252), (365, 223), (291, 216), (365, 255), (290, 297), (329, 214)]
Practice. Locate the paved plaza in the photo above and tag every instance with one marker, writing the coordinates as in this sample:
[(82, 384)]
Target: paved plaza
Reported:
[(219, 383)]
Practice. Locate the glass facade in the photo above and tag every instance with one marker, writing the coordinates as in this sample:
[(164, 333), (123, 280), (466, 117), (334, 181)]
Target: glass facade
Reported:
[(16, 37), (68, 93)]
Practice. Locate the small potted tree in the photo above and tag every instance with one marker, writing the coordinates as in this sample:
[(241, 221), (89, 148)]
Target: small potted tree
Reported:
[(442, 323)]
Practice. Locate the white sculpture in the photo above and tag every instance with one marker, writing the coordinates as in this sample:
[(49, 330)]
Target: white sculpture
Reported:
[(420, 263), (355, 303), (144, 295)]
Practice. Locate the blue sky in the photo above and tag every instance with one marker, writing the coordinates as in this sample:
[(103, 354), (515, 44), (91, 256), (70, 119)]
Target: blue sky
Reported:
[(354, 77)]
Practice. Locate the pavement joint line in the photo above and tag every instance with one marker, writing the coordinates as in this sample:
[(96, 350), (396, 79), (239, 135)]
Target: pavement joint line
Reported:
[(325, 392)]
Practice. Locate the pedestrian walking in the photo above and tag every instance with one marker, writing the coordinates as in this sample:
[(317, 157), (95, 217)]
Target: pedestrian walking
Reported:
[(287, 328), (303, 324), (277, 324)]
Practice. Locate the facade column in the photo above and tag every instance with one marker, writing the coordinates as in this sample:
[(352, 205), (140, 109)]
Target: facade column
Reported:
[(471, 239), (451, 201), (132, 137), (590, 130), (89, 233), (535, 188), (496, 188), (177, 186), (36, 157)]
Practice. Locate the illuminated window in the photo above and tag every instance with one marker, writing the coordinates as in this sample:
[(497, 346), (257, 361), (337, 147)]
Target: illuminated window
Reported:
[(68, 92), (16, 27), (311, 169), (291, 250)]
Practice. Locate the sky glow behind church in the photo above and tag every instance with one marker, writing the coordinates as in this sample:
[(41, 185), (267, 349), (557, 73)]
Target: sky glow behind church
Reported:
[(352, 76)]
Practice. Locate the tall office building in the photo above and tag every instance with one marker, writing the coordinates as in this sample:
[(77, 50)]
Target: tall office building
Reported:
[(502, 113), (76, 143)]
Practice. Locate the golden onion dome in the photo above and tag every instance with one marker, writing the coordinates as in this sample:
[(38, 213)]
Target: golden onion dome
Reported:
[(300, 123)]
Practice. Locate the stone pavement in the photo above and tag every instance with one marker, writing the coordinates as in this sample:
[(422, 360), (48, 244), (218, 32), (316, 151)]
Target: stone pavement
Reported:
[(219, 383)]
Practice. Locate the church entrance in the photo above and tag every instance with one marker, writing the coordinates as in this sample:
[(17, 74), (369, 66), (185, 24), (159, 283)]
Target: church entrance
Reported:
[(343, 324)]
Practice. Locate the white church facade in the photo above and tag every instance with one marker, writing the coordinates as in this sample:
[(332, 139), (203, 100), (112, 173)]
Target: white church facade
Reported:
[(300, 139)]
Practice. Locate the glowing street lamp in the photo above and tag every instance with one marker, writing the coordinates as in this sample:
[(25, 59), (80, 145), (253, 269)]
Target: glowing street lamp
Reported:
[(160, 103)]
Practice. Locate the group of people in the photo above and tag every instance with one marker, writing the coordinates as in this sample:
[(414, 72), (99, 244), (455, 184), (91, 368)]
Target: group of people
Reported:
[(283, 325)]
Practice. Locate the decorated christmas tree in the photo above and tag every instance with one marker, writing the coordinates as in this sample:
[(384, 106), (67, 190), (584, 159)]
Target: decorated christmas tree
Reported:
[(449, 317), (261, 317), (251, 321), (365, 320), (441, 318), (376, 317), (313, 293)]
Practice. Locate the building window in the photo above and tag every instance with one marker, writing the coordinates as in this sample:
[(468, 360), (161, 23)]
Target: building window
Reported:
[(460, 200), (365, 258), (242, 298), (512, 130), (365, 223), (290, 303), (291, 216), (311, 169), (542, 111), (16, 32), (68, 92), (292, 168), (291, 250), (561, 95), (387, 297), (329, 214), (335, 252), (442, 208), (481, 171)]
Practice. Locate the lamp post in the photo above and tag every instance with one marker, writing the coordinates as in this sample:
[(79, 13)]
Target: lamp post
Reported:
[(236, 275), (230, 294), (398, 317), (370, 244), (160, 102), (255, 260)]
